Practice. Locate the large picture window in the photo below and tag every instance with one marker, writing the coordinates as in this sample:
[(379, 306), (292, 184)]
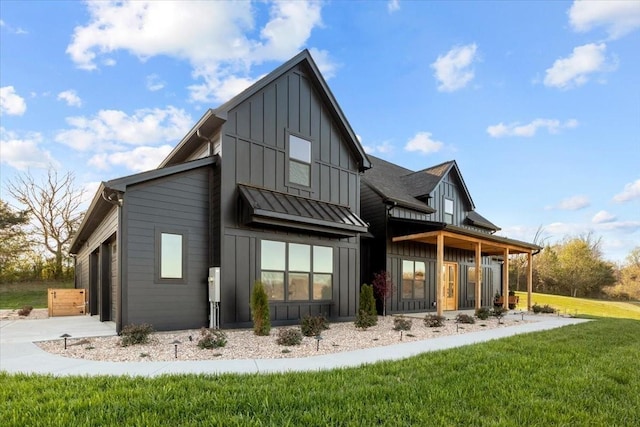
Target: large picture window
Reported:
[(171, 256), (299, 161), (413, 280), (296, 272)]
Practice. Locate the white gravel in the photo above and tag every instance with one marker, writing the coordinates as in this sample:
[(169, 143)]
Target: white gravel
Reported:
[(243, 344)]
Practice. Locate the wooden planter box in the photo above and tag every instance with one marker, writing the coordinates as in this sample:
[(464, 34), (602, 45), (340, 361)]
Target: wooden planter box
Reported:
[(513, 301), (66, 302)]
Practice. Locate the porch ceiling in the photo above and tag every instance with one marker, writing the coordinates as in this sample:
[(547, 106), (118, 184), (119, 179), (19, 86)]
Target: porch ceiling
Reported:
[(491, 245)]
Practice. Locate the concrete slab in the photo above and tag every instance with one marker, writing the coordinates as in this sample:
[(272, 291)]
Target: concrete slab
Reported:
[(18, 353)]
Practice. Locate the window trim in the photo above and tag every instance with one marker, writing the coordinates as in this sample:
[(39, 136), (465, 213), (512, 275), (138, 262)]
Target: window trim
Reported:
[(310, 274), (288, 135), (413, 280), (159, 231)]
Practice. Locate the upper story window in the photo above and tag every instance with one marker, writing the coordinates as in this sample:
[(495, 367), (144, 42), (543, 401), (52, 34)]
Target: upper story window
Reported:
[(299, 161), (448, 211)]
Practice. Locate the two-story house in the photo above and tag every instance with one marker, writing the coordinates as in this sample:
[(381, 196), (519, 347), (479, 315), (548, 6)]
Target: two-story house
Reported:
[(265, 187), (423, 223)]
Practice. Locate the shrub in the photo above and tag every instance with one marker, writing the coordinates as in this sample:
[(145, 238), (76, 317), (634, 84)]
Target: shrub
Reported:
[(135, 334), (483, 313), (313, 325), (465, 318), (498, 311), (25, 310), (260, 310), (289, 336), (212, 338), (543, 309), (367, 313), (402, 324), (433, 321)]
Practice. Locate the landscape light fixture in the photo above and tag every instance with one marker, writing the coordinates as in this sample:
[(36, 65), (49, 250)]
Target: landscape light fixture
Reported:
[(65, 336), (175, 345), (318, 338)]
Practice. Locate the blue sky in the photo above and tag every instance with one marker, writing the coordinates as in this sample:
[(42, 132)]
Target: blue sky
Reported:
[(538, 102)]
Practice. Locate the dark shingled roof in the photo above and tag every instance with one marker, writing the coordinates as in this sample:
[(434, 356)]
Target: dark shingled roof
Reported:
[(474, 218), (281, 209)]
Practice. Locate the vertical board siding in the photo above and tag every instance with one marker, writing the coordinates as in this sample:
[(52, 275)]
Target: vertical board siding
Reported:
[(255, 152), (177, 202)]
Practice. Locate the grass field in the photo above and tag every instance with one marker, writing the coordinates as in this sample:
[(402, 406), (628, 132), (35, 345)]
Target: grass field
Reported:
[(582, 375), (583, 306), (17, 295)]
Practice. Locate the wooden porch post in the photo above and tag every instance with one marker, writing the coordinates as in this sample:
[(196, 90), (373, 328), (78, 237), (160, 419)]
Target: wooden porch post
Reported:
[(440, 274), (478, 275), (529, 279), (505, 280)]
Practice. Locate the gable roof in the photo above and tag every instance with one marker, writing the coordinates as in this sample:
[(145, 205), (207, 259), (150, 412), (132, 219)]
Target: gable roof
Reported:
[(423, 182), (216, 117), (102, 202)]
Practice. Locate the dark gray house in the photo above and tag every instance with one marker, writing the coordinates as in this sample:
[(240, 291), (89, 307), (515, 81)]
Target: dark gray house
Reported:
[(423, 223), (266, 187)]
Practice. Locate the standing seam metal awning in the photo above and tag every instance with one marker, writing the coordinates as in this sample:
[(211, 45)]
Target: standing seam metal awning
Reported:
[(274, 208)]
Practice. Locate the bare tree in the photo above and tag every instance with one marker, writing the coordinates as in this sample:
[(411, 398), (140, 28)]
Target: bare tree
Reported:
[(54, 206)]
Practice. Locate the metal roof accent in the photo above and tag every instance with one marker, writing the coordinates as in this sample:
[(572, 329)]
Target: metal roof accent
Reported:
[(273, 208)]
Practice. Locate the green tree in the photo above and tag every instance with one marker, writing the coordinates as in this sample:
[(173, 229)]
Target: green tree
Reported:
[(574, 267), (628, 285), (54, 207), (13, 241), (260, 310)]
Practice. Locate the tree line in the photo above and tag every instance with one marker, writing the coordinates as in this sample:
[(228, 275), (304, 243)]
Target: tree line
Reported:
[(35, 237)]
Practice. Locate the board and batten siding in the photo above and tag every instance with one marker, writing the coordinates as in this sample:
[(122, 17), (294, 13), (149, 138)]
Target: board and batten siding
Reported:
[(449, 188), (254, 152), (177, 203)]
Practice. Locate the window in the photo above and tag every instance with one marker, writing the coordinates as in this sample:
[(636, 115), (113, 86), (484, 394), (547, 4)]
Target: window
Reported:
[(448, 211), (413, 280), (299, 161), (471, 283), (296, 272), (171, 257)]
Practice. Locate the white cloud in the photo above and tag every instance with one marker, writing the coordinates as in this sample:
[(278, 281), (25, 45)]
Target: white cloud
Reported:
[(603, 217), (71, 98), (325, 64), (11, 29), (137, 160), (631, 191), (24, 151), (111, 129), (382, 148), (575, 69), (393, 6), (617, 17), (453, 70), (423, 143), (572, 204), (154, 83), (528, 130), (219, 39), (10, 102)]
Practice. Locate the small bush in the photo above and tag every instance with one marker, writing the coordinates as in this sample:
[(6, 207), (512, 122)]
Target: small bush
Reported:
[(465, 318), (289, 336), (483, 313), (260, 310), (365, 320), (313, 325), (212, 338), (543, 309), (433, 321), (25, 310), (498, 311), (136, 334), (402, 324)]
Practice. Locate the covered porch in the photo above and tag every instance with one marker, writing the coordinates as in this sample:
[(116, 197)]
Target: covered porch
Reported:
[(482, 244)]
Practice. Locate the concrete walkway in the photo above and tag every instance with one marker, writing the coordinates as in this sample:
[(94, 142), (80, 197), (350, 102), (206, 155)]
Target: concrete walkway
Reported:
[(18, 353)]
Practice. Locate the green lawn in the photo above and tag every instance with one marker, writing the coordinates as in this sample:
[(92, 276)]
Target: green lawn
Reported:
[(583, 306), (583, 375), (17, 295)]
